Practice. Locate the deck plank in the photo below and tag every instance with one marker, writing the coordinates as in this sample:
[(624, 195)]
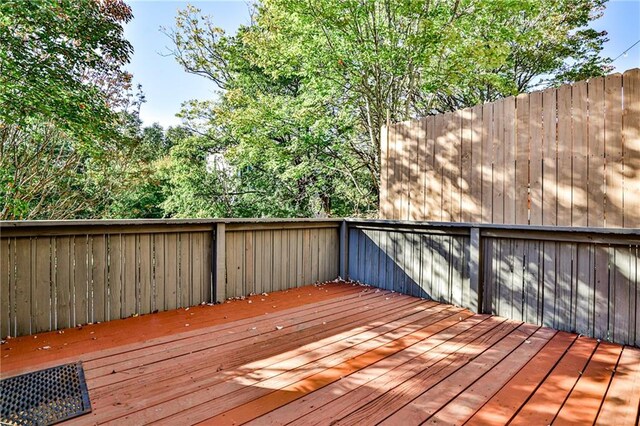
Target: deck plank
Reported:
[(585, 399), (337, 354), (183, 393), (340, 398), (261, 341), (262, 405), (549, 397), (506, 402), (622, 402), (201, 342), (427, 403), (399, 396), (23, 353), (459, 409)]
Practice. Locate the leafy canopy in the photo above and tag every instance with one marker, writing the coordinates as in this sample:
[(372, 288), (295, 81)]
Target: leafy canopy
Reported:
[(305, 88)]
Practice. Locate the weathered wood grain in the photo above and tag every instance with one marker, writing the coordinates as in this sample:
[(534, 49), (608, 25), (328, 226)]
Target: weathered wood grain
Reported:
[(566, 156)]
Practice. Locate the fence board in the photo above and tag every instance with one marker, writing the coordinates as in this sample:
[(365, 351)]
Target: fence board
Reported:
[(579, 152), (499, 170), (170, 272), (431, 186), (63, 289), (584, 292), (521, 161), (613, 151), (278, 283), (536, 157), (549, 289), (130, 274), (487, 162), (466, 165), (421, 167), (550, 156), (394, 181), (197, 279), (97, 300), (81, 279), (384, 172), (403, 142), (509, 144), (5, 317), (413, 173), (564, 140), (439, 165), (145, 283), (623, 289), (596, 178), (631, 146), (476, 165), (455, 142), (185, 269), (115, 276), (601, 304)]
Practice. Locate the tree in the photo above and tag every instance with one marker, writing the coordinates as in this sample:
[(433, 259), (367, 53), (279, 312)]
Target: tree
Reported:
[(64, 99), (60, 62), (288, 145), (363, 63)]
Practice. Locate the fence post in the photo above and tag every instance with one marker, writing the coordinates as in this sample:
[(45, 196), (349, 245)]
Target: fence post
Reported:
[(220, 265), (343, 254), (475, 273)]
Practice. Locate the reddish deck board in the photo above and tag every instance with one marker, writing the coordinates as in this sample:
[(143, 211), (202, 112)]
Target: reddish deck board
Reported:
[(338, 353), (27, 352)]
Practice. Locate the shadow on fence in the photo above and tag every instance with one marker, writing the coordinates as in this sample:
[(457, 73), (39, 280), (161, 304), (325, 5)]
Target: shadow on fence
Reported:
[(587, 287)]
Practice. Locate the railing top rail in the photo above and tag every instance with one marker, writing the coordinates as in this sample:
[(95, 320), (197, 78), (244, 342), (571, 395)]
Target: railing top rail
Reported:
[(44, 228), (548, 233), (488, 227), (124, 222)]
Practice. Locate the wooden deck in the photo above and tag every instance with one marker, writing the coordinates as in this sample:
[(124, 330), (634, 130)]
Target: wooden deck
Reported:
[(338, 353)]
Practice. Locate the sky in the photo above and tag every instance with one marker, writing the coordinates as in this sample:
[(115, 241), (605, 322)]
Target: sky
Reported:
[(167, 86)]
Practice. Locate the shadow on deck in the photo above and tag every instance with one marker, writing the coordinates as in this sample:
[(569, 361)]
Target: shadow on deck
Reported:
[(338, 353)]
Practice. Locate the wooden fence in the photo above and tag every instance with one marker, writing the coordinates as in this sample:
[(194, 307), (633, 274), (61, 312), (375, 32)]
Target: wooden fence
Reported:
[(265, 257), (578, 280), (59, 274), (568, 156), (55, 275)]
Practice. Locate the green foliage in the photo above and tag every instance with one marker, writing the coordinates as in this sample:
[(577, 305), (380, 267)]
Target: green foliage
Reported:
[(303, 92), (60, 63), (305, 89), (68, 148)]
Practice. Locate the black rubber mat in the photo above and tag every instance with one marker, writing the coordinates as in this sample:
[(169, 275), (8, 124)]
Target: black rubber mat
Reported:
[(44, 397)]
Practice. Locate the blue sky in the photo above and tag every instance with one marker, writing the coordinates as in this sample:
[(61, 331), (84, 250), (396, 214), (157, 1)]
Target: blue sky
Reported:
[(166, 85)]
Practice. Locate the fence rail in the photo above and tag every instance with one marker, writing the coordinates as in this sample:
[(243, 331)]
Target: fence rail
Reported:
[(567, 156)]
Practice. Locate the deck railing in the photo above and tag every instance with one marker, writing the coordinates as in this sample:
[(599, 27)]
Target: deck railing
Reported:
[(574, 279), (59, 274)]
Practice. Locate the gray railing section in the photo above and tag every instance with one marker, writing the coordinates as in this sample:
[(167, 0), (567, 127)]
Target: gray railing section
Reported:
[(573, 279)]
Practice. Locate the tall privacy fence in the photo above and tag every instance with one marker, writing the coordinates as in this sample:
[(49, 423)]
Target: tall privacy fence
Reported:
[(59, 274), (566, 156)]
